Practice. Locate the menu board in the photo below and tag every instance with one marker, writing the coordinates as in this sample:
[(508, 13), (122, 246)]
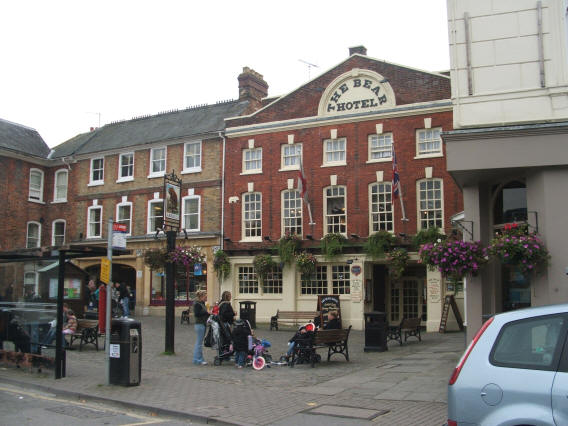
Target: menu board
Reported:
[(328, 303)]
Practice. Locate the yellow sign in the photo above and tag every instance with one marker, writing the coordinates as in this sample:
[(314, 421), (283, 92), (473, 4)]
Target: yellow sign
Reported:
[(105, 270)]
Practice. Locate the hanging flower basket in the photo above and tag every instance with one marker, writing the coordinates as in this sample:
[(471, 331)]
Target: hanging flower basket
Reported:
[(379, 243), (429, 235), (186, 256), (263, 264), (332, 245), (454, 258), (287, 247), (155, 259), (397, 261), (306, 263), (516, 246), (222, 265)]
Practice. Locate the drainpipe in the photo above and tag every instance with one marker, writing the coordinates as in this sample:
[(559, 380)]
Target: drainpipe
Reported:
[(221, 135)]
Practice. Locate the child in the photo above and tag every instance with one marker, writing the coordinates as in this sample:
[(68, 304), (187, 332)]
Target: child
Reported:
[(241, 333), (301, 333)]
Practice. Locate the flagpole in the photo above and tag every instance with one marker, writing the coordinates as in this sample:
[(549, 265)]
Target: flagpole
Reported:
[(397, 185), (404, 218)]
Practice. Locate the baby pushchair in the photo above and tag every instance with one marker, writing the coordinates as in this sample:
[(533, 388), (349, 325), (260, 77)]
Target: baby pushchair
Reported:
[(220, 336)]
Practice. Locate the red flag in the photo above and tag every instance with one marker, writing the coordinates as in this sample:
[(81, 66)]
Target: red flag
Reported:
[(302, 183)]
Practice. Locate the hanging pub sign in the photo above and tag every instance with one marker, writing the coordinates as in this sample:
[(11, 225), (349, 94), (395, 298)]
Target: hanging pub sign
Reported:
[(172, 201), (327, 303)]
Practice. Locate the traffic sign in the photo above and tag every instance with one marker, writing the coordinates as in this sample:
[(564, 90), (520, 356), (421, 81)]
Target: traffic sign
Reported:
[(105, 270)]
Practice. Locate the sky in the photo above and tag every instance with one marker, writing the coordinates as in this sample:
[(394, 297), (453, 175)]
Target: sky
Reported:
[(71, 65)]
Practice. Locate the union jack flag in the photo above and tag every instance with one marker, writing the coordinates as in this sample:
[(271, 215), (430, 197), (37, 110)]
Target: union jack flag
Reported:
[(395, 177), (302, 182)]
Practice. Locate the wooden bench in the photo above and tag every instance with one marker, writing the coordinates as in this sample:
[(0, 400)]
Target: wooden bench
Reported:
[(334, 340), (410, 327), (87, 332), (291, 317)]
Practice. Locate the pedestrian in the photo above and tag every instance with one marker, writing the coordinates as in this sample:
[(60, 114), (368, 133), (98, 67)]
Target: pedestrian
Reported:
[(226, 312), (332, 321), (241, 333), (201, 315)]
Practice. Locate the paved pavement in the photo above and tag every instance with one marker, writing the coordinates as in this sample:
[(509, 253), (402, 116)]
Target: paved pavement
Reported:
[(404, 386)]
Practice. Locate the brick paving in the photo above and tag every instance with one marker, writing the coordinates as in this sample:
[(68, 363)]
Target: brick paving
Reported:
[(405, 385)]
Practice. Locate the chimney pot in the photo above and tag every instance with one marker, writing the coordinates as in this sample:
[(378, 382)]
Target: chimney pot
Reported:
[(362, 50), (252, 88)]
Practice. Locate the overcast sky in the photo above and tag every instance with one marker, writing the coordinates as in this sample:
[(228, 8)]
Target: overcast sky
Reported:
[(67, 64)]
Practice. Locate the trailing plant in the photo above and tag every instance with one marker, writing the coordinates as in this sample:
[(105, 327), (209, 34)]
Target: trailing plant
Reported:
[(306, 263), (186, 256), (287, 247), (155, 259), (263, 264), (221, 265), (454, 258), (519, 247), (429, 235), (332, 245), (379, 243), (398, 259)]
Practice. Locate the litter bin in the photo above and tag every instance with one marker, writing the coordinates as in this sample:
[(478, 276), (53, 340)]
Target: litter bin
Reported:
[(125, 352), (248, 312), (376, 329)]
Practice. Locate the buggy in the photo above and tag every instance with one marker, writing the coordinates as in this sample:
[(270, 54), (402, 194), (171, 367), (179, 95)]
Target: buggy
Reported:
[(220, 336)]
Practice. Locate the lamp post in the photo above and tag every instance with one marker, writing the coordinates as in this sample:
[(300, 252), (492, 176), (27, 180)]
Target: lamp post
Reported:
[(172, 216)]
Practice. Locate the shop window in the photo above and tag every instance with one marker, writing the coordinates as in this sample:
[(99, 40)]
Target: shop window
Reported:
[(510, 203), (187, 282)]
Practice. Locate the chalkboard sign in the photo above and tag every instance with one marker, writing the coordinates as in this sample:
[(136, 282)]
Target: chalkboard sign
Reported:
[(450, 301), (328, 303)]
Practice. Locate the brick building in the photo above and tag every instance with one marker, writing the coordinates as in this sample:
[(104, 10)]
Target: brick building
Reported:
[(341, 127)]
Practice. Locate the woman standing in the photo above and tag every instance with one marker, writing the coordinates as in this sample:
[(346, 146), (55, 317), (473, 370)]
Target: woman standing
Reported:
[(226, 312), (201, 315)]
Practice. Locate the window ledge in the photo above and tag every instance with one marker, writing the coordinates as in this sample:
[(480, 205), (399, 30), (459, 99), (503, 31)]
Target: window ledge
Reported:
[(418, 157), (192, 170), (31, 200), (252, 172), (125, 179), (334, 164), (156, 175), (94, 238), (58, 201), (97, 183), (382, 160), (289, 169), (251, 240)]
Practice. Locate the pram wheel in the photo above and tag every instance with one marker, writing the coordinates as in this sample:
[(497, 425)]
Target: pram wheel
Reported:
[(258, 363), (217, 361)]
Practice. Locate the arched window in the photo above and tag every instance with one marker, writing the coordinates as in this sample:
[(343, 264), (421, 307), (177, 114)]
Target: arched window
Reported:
[(36, 185), (58, 232), (33, 237), (510, 203)]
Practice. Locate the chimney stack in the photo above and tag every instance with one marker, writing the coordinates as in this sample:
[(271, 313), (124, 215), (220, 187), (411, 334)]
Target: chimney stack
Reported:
[(358, 49), (252, 88)]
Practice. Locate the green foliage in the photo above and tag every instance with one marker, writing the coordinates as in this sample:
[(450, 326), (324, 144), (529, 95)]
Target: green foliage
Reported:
[(222, 265), (332, 245), (428, 236), (398, 259), (155, 259), (379, 243), (287, 247), (263, 264), (306, 263)]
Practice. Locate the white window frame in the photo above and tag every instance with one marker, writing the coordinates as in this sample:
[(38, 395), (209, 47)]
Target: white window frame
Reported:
[(160, 173), (54, 235), (247, 276), (118, 220), (158, 201), (386, 203), (429, 153), (323, 279), (383, 150), (183, 212), (249, 161), (92, 180), (35, 195), (290, 217), (38, 242), (329, 226), (58, 189), (342, 152), (296, 157), (246, 222), (89, 210), (419, 193), (197, 167), (128, 178), (34, 279)]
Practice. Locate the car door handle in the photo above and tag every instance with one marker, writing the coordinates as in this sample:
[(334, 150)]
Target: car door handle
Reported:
[(485, 394)]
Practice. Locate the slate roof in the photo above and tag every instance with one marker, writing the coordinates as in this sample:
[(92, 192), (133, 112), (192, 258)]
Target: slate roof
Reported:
[(22, 139), (190, 122)]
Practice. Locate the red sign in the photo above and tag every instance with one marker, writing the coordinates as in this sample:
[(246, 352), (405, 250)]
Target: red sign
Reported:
[(119, 227)]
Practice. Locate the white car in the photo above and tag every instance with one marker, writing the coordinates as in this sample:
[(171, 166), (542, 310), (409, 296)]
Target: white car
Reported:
[(514, 372)]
